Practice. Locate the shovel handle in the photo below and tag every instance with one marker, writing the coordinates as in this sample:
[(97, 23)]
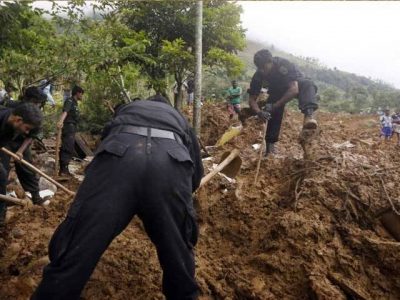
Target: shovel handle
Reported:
[(263, 144), (13, 200), (36, 170), (219, 168), (57, 153)]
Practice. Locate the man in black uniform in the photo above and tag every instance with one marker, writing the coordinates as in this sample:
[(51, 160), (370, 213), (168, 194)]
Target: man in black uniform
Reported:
[(20, 145), (148, 164), (284, 82), (69, 122), (13, 122)]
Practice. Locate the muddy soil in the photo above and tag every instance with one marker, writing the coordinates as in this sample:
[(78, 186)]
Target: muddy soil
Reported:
[(306, 230)]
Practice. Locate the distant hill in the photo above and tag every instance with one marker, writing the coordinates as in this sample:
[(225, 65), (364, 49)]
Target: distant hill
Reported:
[(338, 90)]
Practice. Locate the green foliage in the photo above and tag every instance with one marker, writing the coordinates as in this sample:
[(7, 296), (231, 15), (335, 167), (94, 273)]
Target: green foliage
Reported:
[(170, 25), (221, 59), (26, 43)]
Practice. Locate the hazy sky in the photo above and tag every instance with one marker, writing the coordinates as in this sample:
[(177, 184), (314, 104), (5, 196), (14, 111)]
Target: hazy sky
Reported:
[(359, 37)]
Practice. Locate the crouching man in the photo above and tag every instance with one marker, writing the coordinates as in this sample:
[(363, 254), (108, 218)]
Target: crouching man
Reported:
[(148, 164)]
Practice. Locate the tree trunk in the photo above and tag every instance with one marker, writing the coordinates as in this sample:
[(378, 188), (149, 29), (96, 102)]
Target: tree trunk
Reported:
[(178, 101), (197, 89)]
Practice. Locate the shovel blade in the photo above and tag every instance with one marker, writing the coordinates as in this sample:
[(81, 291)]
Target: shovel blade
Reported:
[(233, 168)]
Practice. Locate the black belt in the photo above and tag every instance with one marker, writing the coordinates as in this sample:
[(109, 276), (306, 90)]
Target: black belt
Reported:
[(147, 131)]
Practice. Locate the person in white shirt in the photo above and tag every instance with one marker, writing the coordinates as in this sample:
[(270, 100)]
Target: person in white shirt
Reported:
[(386, 125)]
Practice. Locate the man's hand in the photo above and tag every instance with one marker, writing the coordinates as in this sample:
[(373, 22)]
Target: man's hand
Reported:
[(264, 115), (19, 154), (60, 125)]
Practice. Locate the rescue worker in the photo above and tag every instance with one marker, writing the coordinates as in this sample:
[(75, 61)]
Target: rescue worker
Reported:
[(148, 164), (69, 123), (284, 82), (13, 122), (21, 143)]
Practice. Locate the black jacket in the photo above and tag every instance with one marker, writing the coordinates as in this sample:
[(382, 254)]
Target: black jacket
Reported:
[(159, 115)]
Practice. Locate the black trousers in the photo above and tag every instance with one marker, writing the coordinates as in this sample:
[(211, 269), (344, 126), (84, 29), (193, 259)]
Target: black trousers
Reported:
[(130, 175), (28, 179), (67, 144), (3, 190), (307, 99)]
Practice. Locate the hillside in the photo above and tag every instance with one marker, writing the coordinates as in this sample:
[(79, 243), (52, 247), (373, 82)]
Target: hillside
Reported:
[(307, 230)]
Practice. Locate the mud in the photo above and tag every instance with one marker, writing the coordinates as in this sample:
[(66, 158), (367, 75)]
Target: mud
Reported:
[(307, 230)]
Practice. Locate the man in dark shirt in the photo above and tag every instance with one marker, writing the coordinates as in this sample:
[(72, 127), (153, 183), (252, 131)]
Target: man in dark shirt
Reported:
[(69, 122), (20, 145), (13, 122), (284, 82), (148, 164)]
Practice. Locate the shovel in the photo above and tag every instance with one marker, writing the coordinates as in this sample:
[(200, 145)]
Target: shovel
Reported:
[(229, 165)]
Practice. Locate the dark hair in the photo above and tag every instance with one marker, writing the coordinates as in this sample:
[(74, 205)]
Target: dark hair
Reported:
[(30, 114), (77, 89), (159, 98), (34, 95), (262, 57), (10, 87)]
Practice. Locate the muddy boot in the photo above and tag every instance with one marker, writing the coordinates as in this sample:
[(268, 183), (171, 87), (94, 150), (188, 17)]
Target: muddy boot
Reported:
[(270, 149), (36, 199), (64, 171), (309, 119)]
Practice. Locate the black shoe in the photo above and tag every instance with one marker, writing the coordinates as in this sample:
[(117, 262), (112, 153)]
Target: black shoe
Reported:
[(270, 149), (36, 199), (64, 171)]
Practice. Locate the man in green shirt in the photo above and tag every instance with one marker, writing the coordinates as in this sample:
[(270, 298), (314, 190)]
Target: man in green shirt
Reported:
[(234, 99)]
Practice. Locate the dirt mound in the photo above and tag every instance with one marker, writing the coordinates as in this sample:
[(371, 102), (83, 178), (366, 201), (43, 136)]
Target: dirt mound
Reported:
[(307, 229)]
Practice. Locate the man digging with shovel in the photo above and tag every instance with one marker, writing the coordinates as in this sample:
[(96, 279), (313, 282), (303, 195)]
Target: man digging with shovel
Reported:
[(284, 82), (14, 122)]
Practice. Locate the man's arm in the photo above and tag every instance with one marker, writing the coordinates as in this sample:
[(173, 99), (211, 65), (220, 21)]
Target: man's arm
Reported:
[(60, 122), (23, 147), (291, 92), (253, 103), (66, 108)]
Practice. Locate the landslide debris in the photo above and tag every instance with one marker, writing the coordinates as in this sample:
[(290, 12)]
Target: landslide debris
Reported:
[(308, 229)]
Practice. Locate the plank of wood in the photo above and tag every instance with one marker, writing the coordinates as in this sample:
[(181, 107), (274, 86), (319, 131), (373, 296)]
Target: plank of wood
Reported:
[(82, 144)]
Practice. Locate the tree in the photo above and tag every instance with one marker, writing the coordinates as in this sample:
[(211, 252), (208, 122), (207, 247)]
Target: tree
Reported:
[(27, 42), (174, 22)]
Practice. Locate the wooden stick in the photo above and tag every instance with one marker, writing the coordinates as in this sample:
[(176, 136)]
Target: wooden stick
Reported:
[(21, 202), (57, 152), (219, 168), (33, 168), (261, 152)]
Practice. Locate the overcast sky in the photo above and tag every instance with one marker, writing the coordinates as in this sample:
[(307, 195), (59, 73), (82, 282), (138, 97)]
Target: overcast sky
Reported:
[(359, 37)]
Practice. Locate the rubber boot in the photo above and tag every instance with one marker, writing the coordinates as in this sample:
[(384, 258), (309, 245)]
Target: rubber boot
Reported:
[(270, 149), (64, 171), (309, 119)]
